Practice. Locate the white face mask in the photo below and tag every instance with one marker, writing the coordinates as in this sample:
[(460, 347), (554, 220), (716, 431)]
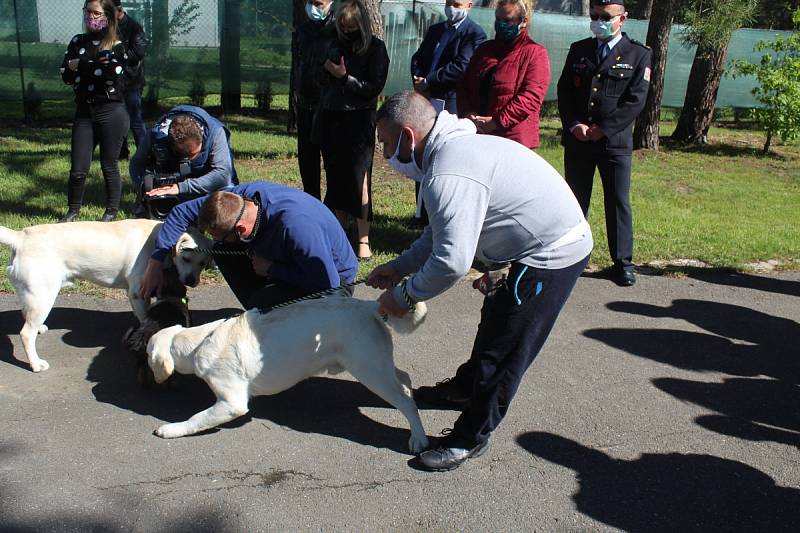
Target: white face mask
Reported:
[(410, 169), (602, 29), (454, 14)]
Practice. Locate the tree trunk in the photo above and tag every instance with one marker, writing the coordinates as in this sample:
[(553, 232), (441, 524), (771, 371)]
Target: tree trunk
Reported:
[(768, 144), (701, 93), (374, 10), (648, 123), (298, 17), (644, 9), (229, 56), (586, 7), (159, 48)]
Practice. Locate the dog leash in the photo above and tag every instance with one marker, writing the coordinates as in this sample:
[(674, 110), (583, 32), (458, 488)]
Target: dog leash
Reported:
[(312, 296), (218, 252)]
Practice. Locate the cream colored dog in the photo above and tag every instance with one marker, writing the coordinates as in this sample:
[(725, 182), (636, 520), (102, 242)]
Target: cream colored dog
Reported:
[(47, 257), (265, 353)]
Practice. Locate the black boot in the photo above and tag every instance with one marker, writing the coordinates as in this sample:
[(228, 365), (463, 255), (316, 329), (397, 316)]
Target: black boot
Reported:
[(71, 215), (109, 216)]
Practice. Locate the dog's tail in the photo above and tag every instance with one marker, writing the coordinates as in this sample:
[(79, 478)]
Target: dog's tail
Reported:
[(9, 237), (408, 322)]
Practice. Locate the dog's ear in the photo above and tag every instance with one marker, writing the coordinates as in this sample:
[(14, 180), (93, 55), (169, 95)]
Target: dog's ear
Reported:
[(136, 339), (161, 364), (184, 244)]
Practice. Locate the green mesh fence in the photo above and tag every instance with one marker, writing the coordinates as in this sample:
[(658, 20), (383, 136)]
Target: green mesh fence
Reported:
[(406, 23), (186, 37)]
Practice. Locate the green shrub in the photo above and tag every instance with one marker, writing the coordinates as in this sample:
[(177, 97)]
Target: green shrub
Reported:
[(197, 92), (263, 96)]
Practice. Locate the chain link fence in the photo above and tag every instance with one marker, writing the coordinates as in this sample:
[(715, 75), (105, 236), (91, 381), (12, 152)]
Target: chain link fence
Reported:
[(190, 49)]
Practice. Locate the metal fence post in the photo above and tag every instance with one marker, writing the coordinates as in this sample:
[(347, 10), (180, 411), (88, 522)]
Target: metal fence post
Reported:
[(19, 58)]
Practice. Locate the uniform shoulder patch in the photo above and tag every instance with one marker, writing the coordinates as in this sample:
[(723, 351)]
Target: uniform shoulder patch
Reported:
[(634, 41)]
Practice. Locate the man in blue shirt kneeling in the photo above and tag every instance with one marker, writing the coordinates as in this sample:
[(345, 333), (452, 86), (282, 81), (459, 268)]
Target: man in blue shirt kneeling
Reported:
[(294, 243)]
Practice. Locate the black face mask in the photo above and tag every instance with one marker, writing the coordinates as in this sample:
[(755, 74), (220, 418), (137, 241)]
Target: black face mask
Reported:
[(353, 36)]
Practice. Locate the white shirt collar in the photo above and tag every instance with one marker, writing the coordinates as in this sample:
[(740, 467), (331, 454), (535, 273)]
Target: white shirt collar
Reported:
[(611, 43)]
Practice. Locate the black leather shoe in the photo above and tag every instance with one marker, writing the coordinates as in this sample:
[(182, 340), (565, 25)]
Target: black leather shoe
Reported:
[(69, 217), (443, 459), (109, 216), (626, 278), (444, 394)]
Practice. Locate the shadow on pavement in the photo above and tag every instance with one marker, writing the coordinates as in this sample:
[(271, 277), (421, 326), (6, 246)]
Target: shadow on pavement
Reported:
[(320, 405), (317, 405), (670, 492), (747, 281), (741, 342)]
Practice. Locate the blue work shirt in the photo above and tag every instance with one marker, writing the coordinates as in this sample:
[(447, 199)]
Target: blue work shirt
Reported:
[(298, 233)]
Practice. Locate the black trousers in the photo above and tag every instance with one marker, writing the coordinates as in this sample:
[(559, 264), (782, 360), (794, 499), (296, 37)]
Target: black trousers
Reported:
[(105, 124), (251, 289), (580, 162), (309, 154), (515, 323)]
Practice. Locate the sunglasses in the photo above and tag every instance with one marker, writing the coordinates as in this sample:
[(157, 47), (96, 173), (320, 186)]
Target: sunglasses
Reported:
[(232, 231), (604, 17)]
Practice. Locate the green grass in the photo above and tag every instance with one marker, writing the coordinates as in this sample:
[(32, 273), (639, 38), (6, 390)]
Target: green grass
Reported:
[(723, 204)]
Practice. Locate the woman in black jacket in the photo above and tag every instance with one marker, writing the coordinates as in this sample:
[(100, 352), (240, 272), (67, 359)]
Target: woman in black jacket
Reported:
[(357, 69), (93, 64)]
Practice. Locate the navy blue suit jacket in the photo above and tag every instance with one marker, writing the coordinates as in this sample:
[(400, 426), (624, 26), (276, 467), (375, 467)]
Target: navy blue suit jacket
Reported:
[(453, 62)]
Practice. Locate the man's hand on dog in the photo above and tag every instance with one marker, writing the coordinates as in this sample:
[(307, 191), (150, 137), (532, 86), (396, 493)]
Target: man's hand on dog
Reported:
[(152, 279), (261, 266), (389, 306), (383, 277)]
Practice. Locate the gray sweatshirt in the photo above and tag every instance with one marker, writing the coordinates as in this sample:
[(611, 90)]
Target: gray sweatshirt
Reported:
[(492, 199)]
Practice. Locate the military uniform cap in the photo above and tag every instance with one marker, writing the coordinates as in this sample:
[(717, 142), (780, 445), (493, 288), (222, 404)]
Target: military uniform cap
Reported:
[(608, 2)]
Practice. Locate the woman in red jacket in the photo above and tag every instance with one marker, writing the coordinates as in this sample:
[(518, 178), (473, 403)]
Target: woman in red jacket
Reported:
[(507, 79)]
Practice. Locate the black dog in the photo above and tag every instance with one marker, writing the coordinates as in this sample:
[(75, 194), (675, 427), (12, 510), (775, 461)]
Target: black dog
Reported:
[(171, 309)]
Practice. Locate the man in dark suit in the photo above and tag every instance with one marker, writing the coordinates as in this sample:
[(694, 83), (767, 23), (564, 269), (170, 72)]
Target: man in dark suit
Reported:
[(444, 54), (441, 61), (602, 89)]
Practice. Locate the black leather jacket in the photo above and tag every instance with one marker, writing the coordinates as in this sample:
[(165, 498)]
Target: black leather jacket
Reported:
[(134, 39), (364, 81), (314, 39)]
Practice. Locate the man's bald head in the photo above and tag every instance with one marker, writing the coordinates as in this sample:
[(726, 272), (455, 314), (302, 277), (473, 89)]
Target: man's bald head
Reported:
[(408, 109)]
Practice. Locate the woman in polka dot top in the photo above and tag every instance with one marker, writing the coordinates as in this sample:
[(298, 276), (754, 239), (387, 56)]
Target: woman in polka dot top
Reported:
[(93, 65)]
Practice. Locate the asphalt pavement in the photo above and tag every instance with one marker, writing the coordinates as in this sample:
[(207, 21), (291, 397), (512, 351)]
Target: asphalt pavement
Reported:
[(670, 406)]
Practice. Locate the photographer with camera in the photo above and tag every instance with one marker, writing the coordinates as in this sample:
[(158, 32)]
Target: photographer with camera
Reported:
[(185, 155)]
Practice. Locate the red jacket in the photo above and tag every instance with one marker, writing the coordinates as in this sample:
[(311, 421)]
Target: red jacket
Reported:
[(517, 91)]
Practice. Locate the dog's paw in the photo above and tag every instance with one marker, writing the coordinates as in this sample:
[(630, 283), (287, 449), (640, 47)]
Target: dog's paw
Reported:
[(40, 366), (42, 329), (417, 444), (170, 431)]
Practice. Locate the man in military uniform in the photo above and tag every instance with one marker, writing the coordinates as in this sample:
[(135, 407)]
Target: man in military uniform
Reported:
[(602, 89)]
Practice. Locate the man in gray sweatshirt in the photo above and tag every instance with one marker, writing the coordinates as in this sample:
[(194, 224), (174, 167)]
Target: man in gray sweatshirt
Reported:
[(491, 199)]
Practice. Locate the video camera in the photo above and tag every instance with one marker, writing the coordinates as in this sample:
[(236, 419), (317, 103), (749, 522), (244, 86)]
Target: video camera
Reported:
[(164, 171)]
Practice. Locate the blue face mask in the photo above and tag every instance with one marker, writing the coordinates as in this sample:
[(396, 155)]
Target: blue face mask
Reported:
[(314, 13), (505, 31)]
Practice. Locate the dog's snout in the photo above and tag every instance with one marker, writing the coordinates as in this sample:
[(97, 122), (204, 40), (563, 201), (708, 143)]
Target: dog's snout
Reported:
[(190, 281)]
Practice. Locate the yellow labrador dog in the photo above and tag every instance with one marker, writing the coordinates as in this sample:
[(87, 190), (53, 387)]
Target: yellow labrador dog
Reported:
[(47, 257), (265, 353)]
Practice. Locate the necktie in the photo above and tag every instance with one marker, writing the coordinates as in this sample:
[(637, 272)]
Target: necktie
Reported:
[(603, 52), (441, 45)]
